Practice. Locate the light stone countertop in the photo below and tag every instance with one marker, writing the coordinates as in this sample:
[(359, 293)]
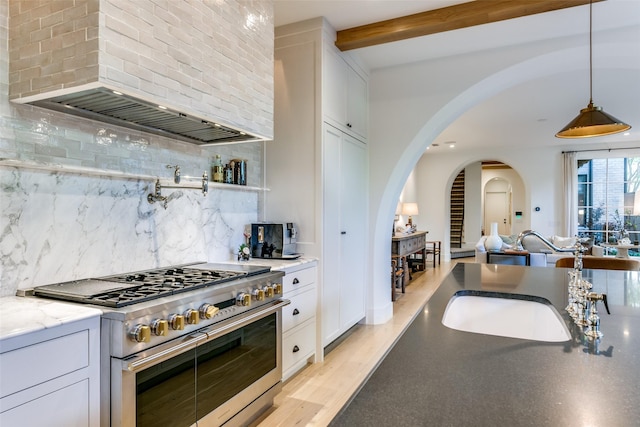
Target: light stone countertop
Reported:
[(23, 315), (285, 265)]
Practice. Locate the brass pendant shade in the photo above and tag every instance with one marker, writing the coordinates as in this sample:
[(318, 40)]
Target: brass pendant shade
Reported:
[(592, 121)]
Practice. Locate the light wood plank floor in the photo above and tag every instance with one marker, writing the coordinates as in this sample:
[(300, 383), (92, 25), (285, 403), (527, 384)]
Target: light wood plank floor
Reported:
[(316, 394)]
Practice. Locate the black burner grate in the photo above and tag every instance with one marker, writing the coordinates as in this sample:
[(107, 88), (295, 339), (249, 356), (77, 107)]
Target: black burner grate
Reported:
[(160, 283)]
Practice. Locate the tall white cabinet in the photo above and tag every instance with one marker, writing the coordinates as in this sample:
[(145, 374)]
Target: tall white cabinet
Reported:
[(317, 166)]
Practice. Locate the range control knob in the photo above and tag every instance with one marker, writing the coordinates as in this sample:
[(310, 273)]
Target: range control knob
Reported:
[(160, 327), (207, 311), (277, 288), (268, 291), (192, 316), (258, 294), (177, 322), (140, 333), (243, 300)]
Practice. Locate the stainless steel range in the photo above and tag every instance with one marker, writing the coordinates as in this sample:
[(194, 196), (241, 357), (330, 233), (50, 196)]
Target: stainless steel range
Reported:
[(196, 344)]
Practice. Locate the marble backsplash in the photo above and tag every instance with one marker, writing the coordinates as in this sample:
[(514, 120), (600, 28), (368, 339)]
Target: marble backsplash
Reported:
[(58, 226)]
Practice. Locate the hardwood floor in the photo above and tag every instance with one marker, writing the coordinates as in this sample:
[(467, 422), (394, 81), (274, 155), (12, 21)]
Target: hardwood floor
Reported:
[(316, 394)]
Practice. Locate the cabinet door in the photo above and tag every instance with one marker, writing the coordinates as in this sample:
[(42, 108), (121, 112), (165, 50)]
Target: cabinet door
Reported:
[(331, 257), (357, 104), (353, 220), (334, 87)]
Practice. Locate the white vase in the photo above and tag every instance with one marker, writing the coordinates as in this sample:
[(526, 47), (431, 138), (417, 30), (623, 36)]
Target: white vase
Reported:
[(493, 242)]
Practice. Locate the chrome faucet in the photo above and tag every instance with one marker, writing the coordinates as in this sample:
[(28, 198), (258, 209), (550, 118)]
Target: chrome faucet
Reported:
[(156, 196), (593, 321), (525, 233)]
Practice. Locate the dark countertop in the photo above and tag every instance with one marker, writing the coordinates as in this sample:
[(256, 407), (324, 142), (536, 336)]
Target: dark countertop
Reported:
[(438, 376)]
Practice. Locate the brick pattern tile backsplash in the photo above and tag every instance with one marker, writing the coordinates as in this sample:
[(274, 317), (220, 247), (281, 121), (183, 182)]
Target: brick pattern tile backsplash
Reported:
[(209, 58)]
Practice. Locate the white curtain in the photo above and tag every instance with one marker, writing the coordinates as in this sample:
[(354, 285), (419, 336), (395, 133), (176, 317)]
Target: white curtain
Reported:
[(570, 196)]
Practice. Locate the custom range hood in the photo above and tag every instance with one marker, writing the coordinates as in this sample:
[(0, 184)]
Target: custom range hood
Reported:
[(199, 71), (115, 107)]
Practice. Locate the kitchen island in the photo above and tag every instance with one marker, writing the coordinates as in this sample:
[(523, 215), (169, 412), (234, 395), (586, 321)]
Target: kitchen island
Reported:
[(439, 376)]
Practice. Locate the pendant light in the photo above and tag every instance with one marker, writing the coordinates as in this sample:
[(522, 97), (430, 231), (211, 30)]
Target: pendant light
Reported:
[(592, 121)]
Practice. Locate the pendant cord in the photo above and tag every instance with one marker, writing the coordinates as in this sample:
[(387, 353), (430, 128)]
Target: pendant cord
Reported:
[(590, 51)]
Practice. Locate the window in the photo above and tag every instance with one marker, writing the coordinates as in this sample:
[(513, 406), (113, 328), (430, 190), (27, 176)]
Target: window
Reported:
[(609, 200)]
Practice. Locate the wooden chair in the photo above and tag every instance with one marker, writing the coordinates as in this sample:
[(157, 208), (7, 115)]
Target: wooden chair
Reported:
[(397, 276), (601, 263), (434, 247)]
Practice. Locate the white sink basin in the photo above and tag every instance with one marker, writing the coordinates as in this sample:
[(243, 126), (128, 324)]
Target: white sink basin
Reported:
[(506, 317)]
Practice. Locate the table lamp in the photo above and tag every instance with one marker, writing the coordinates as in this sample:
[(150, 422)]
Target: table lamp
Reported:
[(410, 209)]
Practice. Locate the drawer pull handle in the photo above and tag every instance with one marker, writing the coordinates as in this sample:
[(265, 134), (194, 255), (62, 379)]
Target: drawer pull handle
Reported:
[(296, 349), (295, 311), (295, 281)]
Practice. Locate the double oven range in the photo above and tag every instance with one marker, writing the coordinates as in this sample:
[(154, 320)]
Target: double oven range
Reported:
[(197, 344)]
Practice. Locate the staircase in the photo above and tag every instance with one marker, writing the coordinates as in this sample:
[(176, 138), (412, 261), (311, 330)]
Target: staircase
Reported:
[(457, 211)]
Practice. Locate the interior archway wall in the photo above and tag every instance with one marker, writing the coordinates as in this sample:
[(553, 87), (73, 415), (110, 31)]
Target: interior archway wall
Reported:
[(421, 100)]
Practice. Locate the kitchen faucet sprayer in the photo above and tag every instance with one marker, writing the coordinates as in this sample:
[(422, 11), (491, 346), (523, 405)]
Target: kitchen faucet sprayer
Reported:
[(593, 321)]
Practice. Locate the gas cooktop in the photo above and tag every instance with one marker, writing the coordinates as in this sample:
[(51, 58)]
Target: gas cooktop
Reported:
[(131, 288)]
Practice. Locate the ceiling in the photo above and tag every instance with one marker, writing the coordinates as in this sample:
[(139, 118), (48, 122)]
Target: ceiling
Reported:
[(495, 122)]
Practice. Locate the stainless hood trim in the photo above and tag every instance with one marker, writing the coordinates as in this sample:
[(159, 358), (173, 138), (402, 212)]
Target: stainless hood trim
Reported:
[(115, 107)]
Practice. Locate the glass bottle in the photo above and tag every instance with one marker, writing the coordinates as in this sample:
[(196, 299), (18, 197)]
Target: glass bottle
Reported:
[(228, 175), (218, 171)]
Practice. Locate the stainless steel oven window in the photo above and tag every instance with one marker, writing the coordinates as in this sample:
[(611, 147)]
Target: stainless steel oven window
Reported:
[(165, 392), (233, 362), (187, 387)]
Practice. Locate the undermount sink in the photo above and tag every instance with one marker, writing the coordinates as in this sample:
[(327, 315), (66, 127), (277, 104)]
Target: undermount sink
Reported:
[(508, 316)]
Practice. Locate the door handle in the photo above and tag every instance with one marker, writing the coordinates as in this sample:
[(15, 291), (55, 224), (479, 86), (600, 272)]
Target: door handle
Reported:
[(343, 232)]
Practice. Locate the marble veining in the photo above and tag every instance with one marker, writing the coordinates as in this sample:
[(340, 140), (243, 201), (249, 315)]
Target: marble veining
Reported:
[(20, 316), (57, 226)]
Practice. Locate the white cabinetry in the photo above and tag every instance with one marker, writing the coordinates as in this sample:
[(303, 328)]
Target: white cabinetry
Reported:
[(317, 166), (345, 168), (345, 94), (299, 318), (51, 377)]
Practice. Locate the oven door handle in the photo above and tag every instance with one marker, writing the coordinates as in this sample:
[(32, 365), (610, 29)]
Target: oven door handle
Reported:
[(140, 363), (218, 331)]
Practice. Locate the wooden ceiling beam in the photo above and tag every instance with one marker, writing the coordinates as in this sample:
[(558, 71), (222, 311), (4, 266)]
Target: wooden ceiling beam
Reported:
[(446, 19)]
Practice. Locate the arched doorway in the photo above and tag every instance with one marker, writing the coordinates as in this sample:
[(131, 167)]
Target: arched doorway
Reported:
[(492, 191)]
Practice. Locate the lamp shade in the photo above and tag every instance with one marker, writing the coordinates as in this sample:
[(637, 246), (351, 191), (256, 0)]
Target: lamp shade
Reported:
[(592, 121), (409, 209)]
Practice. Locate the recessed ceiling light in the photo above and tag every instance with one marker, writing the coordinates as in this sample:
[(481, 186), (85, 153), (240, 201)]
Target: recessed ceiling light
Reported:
[(627, 133), (117, 93), (162, 107)]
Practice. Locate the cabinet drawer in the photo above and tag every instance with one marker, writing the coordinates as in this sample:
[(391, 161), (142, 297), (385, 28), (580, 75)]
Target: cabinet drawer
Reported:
[(298, 279), (68, 406), (298, 346), (302, 308), (63, 355)]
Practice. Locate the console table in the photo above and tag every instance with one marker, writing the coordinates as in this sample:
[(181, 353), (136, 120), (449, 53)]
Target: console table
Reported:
[(403, 245)]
